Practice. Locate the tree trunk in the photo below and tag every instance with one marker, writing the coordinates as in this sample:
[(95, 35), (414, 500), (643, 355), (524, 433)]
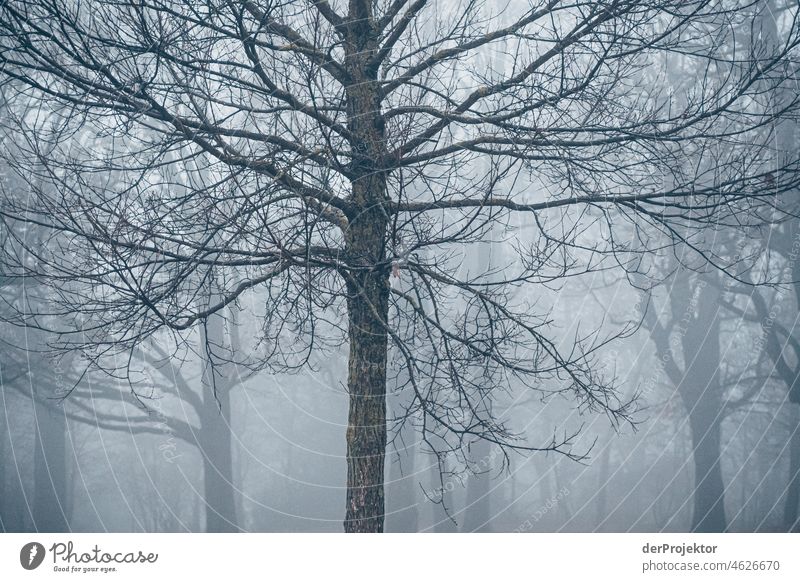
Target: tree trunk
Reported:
[(403, 485), (215, 447), (477, 511), (14, 506), (4, 491), (50, 504), (709, 492), (441, 521), (368, 313), (367, 277), (702, 396), (787, 139), (601, 506), (366, 381), (215, 434), (791, 515)]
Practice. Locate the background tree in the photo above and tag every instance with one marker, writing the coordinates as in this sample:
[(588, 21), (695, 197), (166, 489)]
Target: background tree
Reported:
[(693, 327), (774, 313), (324, 145)]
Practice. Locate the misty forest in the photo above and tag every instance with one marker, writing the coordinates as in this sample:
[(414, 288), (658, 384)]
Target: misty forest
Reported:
[(399, 265)]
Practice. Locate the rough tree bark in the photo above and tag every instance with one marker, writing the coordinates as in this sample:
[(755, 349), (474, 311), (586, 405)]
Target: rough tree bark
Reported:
[(368, 287), (366, 429)]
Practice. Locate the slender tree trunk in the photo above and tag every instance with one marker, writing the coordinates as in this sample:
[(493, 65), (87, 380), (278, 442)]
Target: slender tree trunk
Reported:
[(50, 504), (215, 447), (787, 139), (4, 490), (477, 512), (601, 506), (561, 498), (14, 506), (791, 509), (215, 434), (402, 490), (439, 518), (403, 511), (702, 396), (542, 469), (513, 478), (791, 513)]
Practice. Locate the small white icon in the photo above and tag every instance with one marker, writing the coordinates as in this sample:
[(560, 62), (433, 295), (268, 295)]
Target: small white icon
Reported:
[(34, 551)]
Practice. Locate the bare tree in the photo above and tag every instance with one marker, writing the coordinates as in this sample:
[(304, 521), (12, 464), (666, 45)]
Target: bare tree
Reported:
[(693, 327), (210, 433), (298, 154), (774, 315)]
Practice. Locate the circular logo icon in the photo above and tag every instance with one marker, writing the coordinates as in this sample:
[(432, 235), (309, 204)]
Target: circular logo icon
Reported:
[(31, 555)]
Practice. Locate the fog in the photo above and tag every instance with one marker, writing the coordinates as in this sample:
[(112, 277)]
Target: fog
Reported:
[(275, 456), (442, 266)]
